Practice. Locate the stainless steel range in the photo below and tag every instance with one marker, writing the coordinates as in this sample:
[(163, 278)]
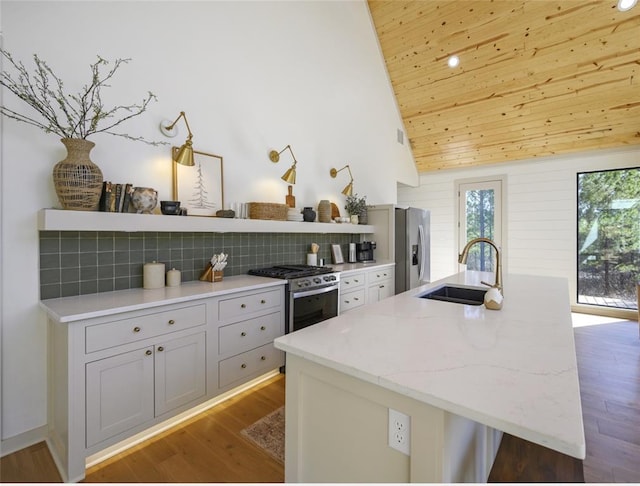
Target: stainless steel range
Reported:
[(311, 293)]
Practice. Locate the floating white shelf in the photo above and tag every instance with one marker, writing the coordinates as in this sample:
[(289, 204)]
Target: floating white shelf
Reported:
[(67, 220)]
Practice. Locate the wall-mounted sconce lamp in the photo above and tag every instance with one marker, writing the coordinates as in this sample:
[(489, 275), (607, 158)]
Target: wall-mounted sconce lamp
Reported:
[(185, 152), (348, 189), (290, 175)]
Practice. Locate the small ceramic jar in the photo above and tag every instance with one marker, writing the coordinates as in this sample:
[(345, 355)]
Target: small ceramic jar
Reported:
[(144, 199)]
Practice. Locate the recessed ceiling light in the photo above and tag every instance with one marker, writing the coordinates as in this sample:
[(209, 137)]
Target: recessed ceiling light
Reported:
[(455, 60), (624, 5)]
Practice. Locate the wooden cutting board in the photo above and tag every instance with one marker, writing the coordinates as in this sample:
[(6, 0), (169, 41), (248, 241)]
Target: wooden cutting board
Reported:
[(335, 212)]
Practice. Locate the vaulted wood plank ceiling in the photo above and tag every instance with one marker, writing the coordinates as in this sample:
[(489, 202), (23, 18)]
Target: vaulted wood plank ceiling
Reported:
[(536, 77)]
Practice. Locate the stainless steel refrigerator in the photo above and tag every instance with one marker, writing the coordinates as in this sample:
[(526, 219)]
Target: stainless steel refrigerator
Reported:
[(412, 247)]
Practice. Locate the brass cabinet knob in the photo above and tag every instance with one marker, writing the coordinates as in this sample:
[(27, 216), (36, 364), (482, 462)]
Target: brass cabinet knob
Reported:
[(355, 298), (346, 301), (160, 348), (243, 365), (243, 305), (243, 334), (263, 328), (171, 322), (136, 329), (382, 286), (148, 352), (346, 282), (262, 358), (263, 301), (356, 280)]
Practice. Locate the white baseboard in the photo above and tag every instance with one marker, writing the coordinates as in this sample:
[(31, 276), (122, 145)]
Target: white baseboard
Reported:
[(21, 441)]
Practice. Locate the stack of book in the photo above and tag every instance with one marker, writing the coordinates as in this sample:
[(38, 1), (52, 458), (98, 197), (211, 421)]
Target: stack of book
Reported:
[(116, 198)]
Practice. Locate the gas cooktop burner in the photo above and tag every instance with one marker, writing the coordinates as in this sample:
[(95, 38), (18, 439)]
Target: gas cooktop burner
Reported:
[(290, 271)]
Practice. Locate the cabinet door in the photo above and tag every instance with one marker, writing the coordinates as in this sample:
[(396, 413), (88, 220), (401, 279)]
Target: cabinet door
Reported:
[(380, 291), (180, 372), (119, 394)]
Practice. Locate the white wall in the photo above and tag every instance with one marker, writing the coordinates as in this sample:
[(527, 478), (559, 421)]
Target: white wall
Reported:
[(251, 76), (541, 211)]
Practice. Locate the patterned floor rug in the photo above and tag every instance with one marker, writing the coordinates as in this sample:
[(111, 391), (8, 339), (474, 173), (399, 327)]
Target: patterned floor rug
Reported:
[(268, 433)]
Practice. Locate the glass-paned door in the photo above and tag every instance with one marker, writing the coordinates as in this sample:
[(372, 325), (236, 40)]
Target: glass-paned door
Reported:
[(609, 238), (480, 216)]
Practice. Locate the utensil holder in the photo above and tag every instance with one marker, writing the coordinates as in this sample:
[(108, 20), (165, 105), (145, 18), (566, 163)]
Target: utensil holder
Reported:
[(218, 275)]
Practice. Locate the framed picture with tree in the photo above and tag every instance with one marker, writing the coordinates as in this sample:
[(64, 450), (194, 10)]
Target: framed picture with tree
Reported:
[(199, 188)]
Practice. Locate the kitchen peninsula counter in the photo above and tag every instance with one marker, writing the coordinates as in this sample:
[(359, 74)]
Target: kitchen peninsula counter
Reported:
[(512, 370)]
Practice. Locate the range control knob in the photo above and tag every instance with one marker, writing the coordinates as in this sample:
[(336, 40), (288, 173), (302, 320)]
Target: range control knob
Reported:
[(316, 280)]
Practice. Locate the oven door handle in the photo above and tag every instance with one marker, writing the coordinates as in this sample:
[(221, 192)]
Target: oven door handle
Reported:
[(322, 290)]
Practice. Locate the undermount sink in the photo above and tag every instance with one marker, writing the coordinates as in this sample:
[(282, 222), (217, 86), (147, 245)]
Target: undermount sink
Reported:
[(458, 295)]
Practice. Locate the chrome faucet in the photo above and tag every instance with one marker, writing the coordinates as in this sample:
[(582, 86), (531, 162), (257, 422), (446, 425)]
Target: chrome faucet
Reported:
[(462, 258)]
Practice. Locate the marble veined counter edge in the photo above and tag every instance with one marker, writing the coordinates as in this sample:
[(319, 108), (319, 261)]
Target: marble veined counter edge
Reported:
[(76, 308), (514, 370)]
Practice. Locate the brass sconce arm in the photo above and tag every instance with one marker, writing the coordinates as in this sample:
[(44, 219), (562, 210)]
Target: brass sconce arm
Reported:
[(348, 190), (185, 153), (290, 175)]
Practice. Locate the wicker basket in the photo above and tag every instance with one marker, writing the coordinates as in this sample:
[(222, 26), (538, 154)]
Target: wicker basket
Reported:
[(259, 210)]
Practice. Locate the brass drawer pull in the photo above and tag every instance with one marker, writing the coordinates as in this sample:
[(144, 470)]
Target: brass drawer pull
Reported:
[(263, 328), (346, 302), (263, 301), (262, 358), (243, 306), (382, 286), (355, 298), (171, 322), (243, 365), (160, 348), (243, 334), (136, 329), (148, 352)]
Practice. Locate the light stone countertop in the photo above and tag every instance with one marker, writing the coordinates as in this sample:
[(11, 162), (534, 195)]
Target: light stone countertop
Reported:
[(514, 370), (349, 268), (76, 308)]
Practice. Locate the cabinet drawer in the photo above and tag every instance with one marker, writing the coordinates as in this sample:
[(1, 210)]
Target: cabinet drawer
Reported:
[(244, 335), (116, 333), (248, 304), (352, 281), (351, 300), (380, 275), (238, 367)]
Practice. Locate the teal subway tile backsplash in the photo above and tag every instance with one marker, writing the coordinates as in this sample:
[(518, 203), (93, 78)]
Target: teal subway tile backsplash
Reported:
[(87, 262)]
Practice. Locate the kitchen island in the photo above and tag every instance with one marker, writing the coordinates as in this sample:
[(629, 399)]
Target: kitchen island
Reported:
[(462, 373)]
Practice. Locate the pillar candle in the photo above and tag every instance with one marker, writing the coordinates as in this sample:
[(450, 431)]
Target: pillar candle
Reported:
[(153, 275), (173, 278)]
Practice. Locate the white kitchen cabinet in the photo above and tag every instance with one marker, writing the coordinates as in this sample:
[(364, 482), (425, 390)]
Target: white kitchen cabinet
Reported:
[(179, 372), (366, 286), (119, 394), (122, 362), (249, 322), (129, 389), (380, 284), (352, 291)]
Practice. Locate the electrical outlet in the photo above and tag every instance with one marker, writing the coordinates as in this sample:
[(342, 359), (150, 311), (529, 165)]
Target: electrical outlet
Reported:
[(400, 431)]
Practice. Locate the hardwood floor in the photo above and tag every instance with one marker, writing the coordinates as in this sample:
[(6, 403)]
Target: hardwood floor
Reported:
[(609, 371), (205, 449), (209, 447)]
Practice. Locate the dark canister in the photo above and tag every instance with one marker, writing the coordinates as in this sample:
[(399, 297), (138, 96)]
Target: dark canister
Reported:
[(308, 214)]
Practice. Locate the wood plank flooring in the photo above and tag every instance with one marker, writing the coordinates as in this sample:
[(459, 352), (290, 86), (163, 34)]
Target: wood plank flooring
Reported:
[(209, 447), (609, 371)]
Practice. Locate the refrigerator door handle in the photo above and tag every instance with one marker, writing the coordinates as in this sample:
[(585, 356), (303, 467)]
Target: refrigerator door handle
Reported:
[(421, 252)]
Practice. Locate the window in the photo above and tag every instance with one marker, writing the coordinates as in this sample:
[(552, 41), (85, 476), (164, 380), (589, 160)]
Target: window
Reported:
[(480, 217), (609, 237)]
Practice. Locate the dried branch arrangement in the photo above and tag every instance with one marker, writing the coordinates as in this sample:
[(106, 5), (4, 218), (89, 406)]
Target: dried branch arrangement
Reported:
[(69, 115)]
